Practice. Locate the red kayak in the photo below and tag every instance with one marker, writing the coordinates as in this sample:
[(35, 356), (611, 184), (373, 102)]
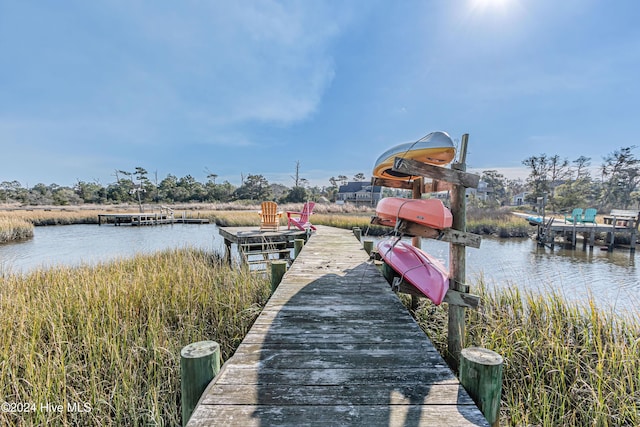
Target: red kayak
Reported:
[(416, 267), (430, 212)]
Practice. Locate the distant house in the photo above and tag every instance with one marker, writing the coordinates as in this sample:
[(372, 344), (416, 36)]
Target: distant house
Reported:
[(359, 193), (480, 193), (519, 199)]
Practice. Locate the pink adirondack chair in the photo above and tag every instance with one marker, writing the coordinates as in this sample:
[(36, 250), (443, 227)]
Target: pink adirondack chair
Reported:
[(302, 220)]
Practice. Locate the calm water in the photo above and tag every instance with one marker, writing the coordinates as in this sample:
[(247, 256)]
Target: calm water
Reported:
[(612, 278), (78, 244)]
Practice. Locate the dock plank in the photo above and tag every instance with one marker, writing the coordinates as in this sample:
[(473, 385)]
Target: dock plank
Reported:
[(394, 414), (339, 395), (437, 374), (334, 346)]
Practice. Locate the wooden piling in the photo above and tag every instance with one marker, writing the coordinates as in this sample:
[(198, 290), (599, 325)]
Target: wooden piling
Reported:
[(199, 364), (457, 264), (357, 232), (481, 376), (368, 246), (297, 247), (278, 268)]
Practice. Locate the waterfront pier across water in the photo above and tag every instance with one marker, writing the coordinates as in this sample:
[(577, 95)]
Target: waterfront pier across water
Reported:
[(150, 218), (335, 346), (554, 228)]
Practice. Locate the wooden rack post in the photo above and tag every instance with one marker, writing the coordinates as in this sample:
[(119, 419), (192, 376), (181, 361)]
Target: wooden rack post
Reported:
[(418, 186), (457, 263)]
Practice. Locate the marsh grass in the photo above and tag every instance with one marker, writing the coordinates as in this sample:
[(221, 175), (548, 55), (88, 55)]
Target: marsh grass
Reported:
[(111, 335), (12, 229), (65, 216), (498, 222), (565, 364)]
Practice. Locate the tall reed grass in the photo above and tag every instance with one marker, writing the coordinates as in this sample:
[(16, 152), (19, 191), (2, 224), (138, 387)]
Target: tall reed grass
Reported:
[(565, 365), (14, 229), (498, 222), (109, 336), (54, 216)]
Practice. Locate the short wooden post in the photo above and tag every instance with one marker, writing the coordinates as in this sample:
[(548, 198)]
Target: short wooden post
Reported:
[(227, 251), (278, 268), (481, 376), (368, 246), (297, 247), (357, 232), (199, 364), (612, 239)]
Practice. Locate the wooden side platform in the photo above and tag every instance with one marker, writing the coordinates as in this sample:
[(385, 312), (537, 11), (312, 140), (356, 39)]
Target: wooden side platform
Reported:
[(260, 247), (335, 346)]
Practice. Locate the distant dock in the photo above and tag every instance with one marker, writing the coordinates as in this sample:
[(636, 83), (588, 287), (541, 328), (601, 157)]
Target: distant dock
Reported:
[(151, 218), (548, 234)]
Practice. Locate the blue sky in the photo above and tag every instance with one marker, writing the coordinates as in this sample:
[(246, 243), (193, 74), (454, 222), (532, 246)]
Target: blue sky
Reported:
[(251, 87)]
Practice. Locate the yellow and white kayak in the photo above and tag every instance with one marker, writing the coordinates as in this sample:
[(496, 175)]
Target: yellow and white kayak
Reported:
[(435, 149)]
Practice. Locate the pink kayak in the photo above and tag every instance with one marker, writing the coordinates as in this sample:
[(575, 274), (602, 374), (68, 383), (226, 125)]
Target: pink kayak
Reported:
[(416, 267), (430, 212)]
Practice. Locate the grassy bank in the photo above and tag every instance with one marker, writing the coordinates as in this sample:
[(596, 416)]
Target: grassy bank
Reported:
[(110, 335), (12, 229), (65, 216), (497, 222), (564, 364)]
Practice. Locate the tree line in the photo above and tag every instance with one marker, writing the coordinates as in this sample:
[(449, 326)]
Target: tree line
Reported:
[(568, 184), (139, 186), (564, 184)]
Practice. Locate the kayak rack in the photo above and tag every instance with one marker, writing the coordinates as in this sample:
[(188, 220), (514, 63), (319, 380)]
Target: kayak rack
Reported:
[(456, 180)]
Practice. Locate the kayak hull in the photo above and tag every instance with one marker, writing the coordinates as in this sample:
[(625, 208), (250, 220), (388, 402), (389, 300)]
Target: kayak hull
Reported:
[(429, 212), (421, 270), (435, 149)]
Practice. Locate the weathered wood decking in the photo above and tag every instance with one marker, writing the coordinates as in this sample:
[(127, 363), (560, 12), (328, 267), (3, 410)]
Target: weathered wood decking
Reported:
[(334, 346)]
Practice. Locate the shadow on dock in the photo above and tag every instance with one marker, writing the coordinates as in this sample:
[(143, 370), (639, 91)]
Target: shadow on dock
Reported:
[(329, 360)]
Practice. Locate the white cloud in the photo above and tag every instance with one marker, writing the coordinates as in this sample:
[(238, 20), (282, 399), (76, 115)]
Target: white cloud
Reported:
[(237, 62), (152, 73)]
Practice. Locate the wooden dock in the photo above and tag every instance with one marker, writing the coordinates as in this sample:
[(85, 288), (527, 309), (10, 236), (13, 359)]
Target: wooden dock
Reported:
[(335, 346), (570, 233), (150, 218)]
